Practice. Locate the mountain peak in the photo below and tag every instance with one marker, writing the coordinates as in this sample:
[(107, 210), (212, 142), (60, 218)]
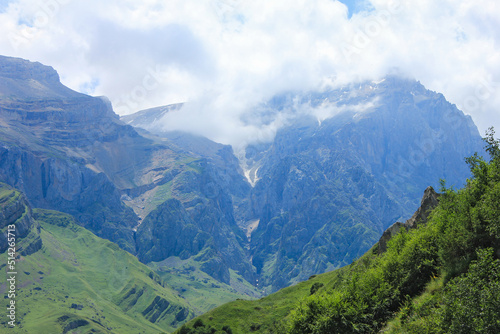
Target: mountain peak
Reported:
[(22, 69), (23, 79)]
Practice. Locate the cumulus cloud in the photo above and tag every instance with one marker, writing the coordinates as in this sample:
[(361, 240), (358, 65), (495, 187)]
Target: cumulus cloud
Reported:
[(226, 57)]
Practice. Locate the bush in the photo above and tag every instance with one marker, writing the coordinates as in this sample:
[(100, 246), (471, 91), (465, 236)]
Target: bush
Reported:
[(315, 287), (471, 303)]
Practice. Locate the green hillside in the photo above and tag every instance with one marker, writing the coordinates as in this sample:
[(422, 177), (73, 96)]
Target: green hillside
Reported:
[(442, 277), (202, 291), (80, 283)]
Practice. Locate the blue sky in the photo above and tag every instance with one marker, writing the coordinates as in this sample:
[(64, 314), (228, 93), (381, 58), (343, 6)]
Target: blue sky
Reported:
[(226, 56), (356, 6), (4, 4)]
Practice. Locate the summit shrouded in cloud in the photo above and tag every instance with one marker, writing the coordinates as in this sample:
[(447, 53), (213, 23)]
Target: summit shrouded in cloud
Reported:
[(226, 57)]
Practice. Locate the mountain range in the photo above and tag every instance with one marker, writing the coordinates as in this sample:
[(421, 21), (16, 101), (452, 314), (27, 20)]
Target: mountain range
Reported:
[(212, 225)]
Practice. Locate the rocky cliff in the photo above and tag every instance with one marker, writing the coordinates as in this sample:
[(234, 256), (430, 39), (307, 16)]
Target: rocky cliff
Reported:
[(430, 200), (15, 211)]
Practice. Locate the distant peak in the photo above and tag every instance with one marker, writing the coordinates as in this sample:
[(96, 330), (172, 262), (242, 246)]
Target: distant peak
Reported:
[(20, 78)]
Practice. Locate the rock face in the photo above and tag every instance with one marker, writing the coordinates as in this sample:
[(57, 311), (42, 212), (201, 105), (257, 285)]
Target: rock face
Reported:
[(48, 150), (15, 210), (327, 188), (202, 227), (429, 202)]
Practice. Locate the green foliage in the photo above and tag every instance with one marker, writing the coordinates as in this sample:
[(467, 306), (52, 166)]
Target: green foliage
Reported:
[(467, 304), (492, 144), (315, 287), (374, 289), (471, 302), (200, 328), (469, 218)]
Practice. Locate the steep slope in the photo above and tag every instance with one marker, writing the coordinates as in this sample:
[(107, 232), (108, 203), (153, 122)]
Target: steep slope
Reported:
[(16, 218), (78, 280), (440, 273)]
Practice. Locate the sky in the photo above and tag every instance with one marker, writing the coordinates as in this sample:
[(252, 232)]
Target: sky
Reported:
[(225, 57)]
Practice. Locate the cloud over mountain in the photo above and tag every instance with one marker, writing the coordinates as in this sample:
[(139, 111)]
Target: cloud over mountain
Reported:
[(226, 56)]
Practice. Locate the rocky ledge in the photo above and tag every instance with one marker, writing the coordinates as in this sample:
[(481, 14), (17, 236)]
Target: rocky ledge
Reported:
[(430, 200), (15, 210)]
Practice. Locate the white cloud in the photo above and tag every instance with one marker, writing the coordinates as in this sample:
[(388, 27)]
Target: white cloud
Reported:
[(227, 56)]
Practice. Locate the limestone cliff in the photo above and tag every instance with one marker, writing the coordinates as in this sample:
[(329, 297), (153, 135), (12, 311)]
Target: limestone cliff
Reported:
[(15, 211), (430, 200)]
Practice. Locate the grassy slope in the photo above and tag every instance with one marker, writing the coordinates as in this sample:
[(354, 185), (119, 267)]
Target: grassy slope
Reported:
[(75, 267), (201, 290), (261, 316)]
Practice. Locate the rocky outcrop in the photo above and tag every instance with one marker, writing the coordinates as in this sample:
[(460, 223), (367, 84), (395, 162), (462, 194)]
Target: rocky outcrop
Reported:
[(15, 211), (429, 202)]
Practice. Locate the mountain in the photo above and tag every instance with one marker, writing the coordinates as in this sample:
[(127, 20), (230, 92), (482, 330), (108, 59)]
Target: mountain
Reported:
[(70, 152), (69, 279), (347, 163), (437, 273), (327, 188)]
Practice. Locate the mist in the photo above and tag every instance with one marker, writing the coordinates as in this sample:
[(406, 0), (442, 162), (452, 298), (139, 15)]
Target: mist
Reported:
[(226, 58)]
